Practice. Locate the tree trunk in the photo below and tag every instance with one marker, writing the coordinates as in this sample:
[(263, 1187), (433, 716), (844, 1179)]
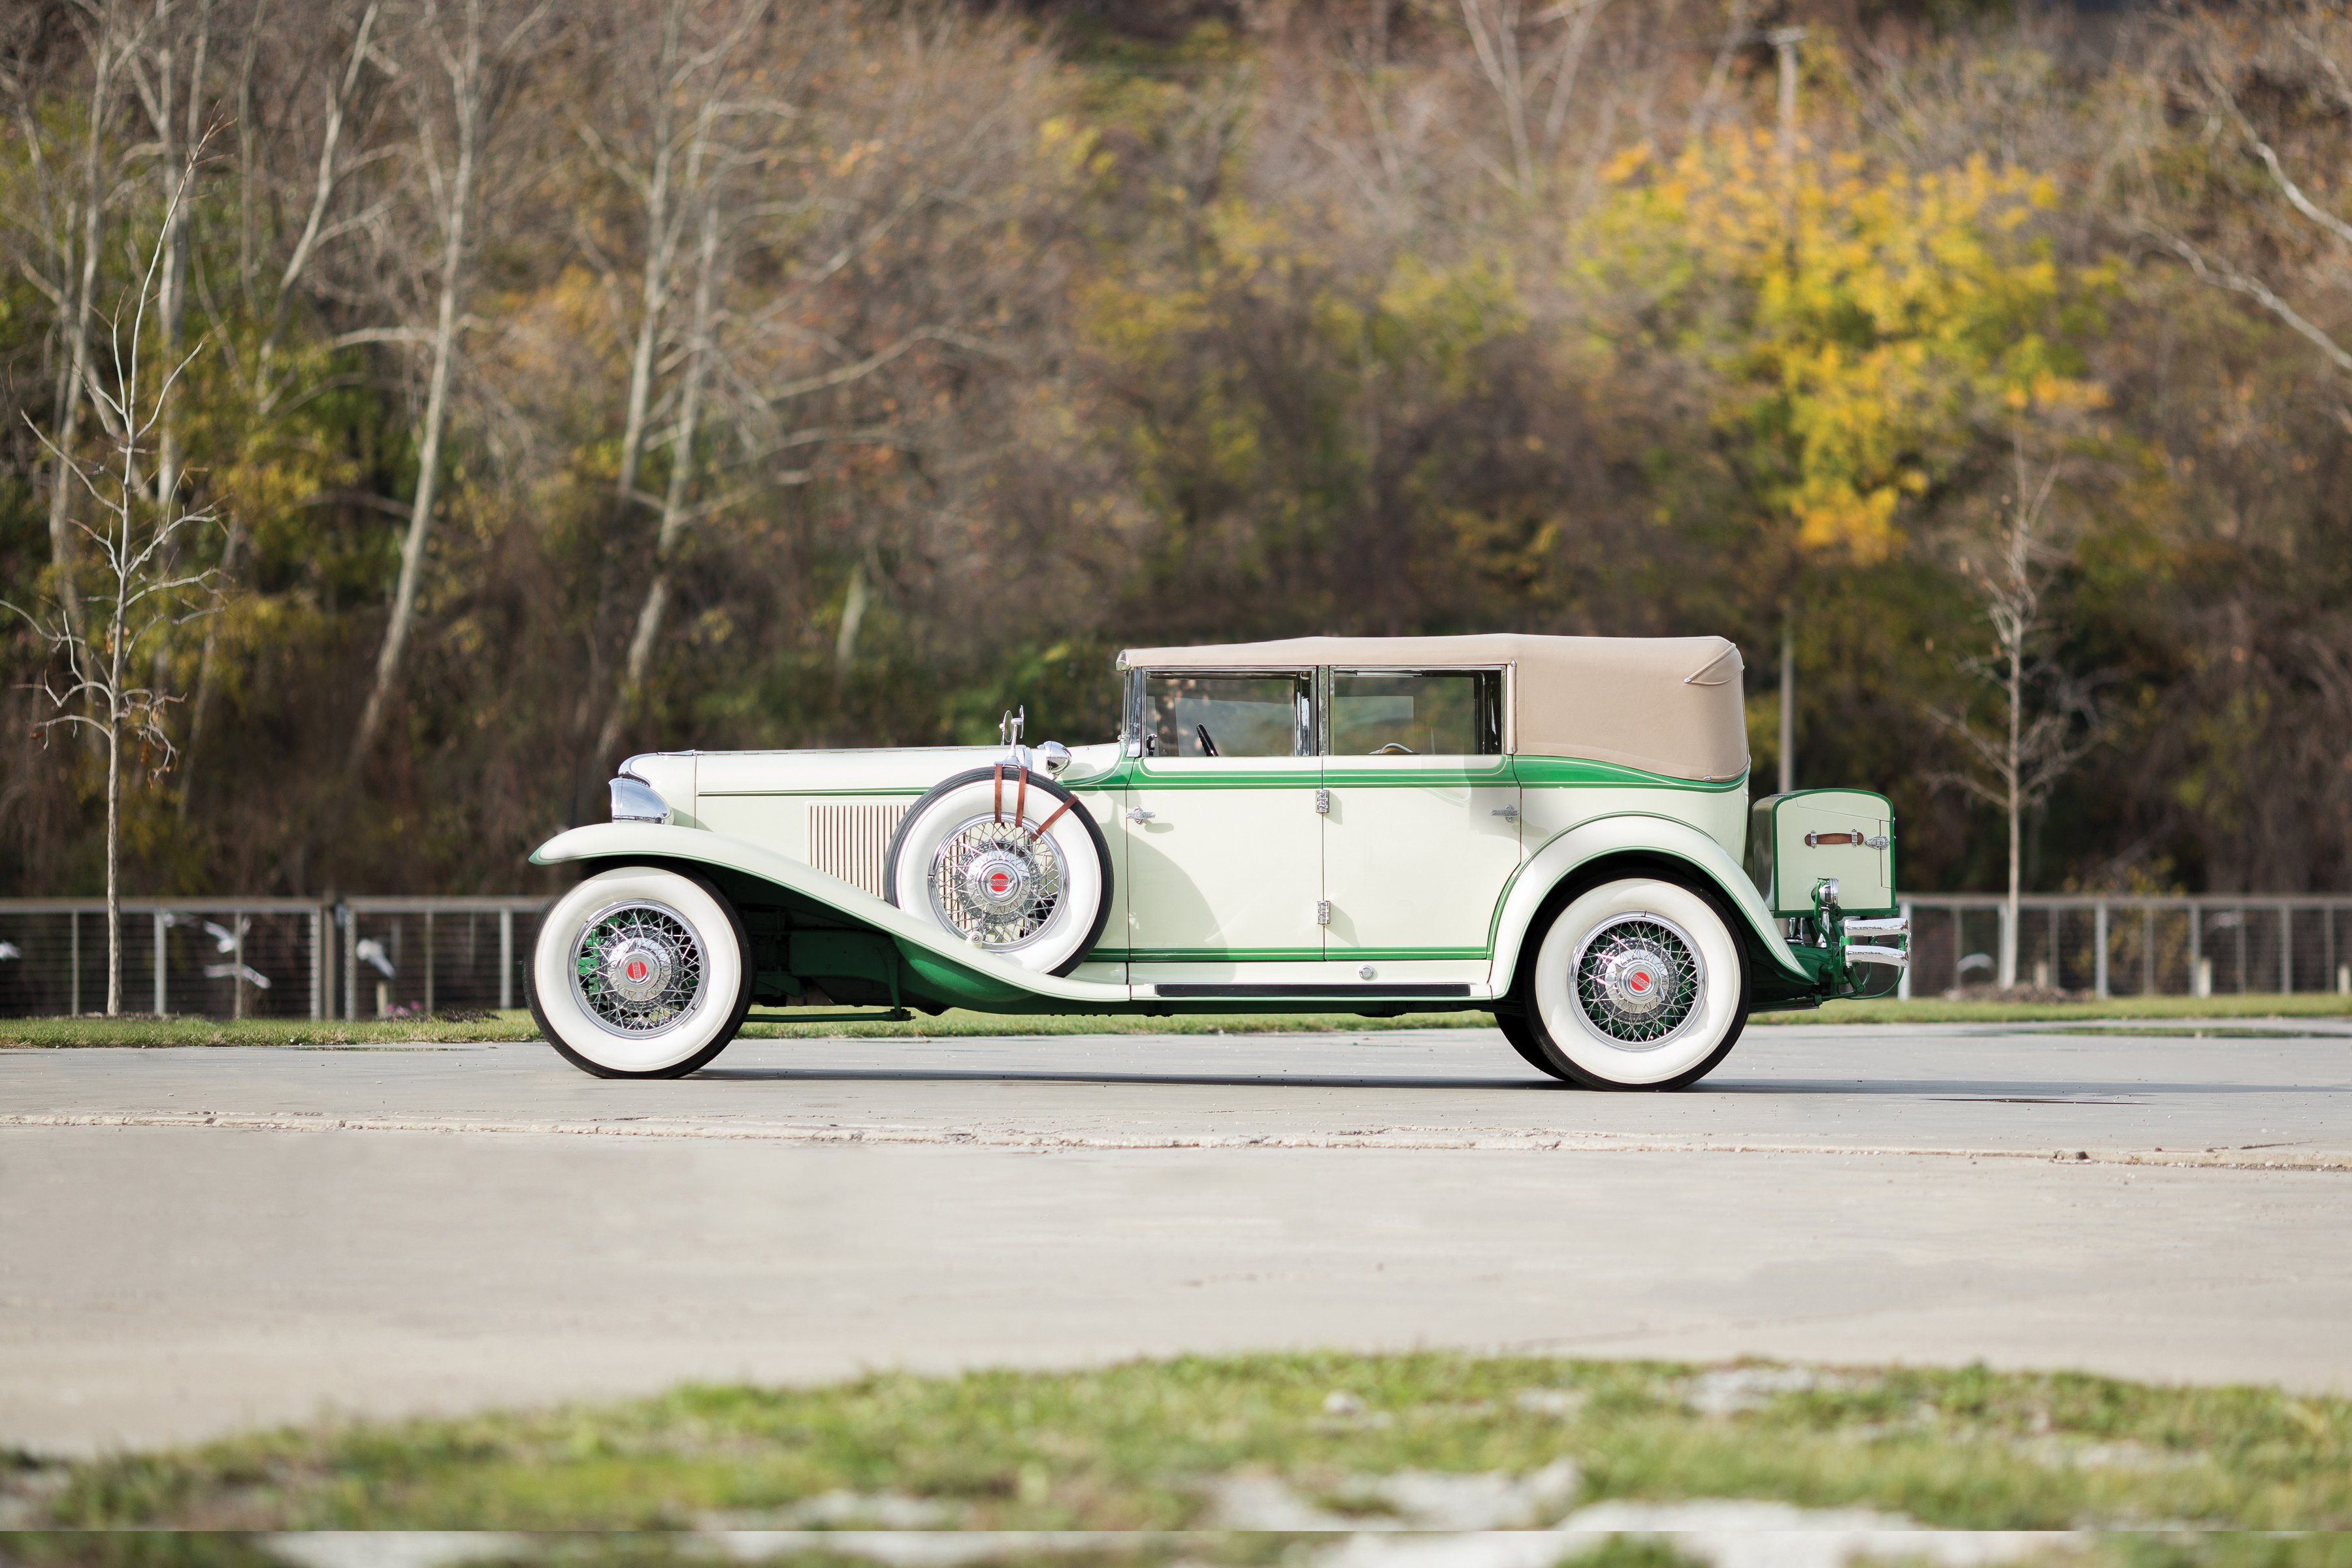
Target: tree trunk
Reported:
[(459, 202), (203, 699), (77, 355), (674, 495), (113, 869), (114, 660), (1787, 701), (2015, 755)]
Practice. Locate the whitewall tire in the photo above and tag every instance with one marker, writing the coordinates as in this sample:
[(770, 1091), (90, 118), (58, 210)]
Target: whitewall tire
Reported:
[(1008, 861), (1636, 984), (640, 973)]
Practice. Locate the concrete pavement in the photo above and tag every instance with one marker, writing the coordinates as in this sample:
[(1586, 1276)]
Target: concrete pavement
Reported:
[(199, 1240)]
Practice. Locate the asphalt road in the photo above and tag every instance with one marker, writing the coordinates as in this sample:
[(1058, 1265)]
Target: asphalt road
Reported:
[(193, 1241)]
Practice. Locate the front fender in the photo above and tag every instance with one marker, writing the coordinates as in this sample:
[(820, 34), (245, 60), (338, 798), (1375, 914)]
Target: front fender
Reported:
[(972, 976), (1635, 833)]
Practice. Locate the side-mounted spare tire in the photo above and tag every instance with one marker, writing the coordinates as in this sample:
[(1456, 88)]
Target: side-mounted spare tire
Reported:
[(1008, 860)]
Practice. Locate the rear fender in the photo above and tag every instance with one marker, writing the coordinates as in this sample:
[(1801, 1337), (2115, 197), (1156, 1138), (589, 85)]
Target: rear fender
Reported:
[(1638, 837), (938, 965)]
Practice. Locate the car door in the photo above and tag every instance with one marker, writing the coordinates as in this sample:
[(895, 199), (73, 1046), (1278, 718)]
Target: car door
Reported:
[(1224, 850), (1423, 831)]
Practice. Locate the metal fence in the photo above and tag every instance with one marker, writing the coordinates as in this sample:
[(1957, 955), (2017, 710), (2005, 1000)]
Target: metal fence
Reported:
[(270, 958), (400, 957), (2211, 945)]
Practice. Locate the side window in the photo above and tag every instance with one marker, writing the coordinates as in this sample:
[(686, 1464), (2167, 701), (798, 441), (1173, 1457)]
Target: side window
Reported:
[(1228, 716), (1453, 714)]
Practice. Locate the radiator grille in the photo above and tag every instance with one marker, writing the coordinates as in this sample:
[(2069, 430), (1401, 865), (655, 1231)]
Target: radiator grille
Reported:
[(852, 841)]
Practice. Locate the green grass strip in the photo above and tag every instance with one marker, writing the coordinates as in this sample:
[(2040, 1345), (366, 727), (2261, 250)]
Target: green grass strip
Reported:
[(1938, 1010), (1146, 1445)]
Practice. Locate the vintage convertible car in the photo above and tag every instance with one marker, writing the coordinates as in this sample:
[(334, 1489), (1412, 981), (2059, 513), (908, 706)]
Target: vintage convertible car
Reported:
[(1552, 829)]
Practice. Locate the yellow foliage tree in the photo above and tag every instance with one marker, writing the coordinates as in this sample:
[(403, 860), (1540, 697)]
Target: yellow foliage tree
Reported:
[(1875, 322)]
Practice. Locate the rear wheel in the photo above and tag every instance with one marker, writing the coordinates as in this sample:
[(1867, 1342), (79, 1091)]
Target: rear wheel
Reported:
[(640, 973), (1522, 1037), (1636, 984)]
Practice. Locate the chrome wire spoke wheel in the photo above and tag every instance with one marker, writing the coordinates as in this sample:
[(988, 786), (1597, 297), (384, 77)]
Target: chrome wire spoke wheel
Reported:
[(638, 968), (1639, 981), (995, 885)]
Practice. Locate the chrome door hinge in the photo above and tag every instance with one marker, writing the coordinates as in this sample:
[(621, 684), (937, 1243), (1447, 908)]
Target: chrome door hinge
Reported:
[(1323, 802), (1323, 912)]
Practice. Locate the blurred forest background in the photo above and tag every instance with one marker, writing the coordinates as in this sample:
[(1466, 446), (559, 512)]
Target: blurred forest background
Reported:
[(569, 379)]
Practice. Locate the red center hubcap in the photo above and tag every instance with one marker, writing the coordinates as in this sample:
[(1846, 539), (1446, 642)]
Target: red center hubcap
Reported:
[(998, 881), (1638, 983), (637, 968)]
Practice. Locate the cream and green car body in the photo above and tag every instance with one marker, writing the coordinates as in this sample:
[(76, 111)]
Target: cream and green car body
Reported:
[(1337, 877)]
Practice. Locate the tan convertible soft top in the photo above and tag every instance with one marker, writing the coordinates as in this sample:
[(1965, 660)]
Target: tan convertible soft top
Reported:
[(1670, 705)]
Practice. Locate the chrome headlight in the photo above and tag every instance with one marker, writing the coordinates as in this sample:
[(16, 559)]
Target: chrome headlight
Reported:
[(633, 800)]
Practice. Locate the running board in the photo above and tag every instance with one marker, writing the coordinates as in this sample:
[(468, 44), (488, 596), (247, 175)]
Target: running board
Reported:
[(1179, 991)]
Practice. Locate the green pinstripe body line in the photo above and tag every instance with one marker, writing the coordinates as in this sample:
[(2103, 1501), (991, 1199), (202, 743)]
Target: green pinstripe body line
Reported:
[(1531, 773), (1528, 772), (1279, 955), (1537, 771), (1527, 859)]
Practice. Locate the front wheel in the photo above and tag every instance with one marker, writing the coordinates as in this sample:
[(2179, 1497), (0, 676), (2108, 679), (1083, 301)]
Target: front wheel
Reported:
[(640, 973), (1636, 984)]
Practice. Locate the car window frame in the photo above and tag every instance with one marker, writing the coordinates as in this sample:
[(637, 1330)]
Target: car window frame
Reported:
[(1140, 678), (1326, 701)]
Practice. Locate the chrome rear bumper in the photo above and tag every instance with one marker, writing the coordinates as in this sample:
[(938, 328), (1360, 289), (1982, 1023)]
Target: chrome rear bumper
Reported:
[(1881, 934)]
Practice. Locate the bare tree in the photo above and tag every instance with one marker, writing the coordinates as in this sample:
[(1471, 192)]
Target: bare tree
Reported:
[(673, 503), (2044, 720), (2283, 248), (138, 532), (69, 196), (672, 174), (323, 155), (476, 70)]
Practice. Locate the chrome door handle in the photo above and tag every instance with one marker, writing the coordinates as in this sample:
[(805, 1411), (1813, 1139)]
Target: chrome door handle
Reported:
[(1137, 813), (1510, 813)]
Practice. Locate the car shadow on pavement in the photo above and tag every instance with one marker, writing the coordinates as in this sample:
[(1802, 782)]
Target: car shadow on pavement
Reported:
[(2026, 1092)]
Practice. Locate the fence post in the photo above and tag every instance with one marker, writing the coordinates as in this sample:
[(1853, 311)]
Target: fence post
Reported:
[(505, 959), (2196, 946), (2286, 950), (1903, 981), (159, 960), (73, 957), (2148, 949), (2099, 966), (350, 921), (428, 963), (318, 955)]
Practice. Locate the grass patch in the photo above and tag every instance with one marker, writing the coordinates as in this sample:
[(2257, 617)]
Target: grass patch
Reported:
[(1144, 1444), (1938, 1010)]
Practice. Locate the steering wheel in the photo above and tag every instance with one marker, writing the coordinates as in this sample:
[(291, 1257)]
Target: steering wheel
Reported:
[(1208, 747), (1396, 749)]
